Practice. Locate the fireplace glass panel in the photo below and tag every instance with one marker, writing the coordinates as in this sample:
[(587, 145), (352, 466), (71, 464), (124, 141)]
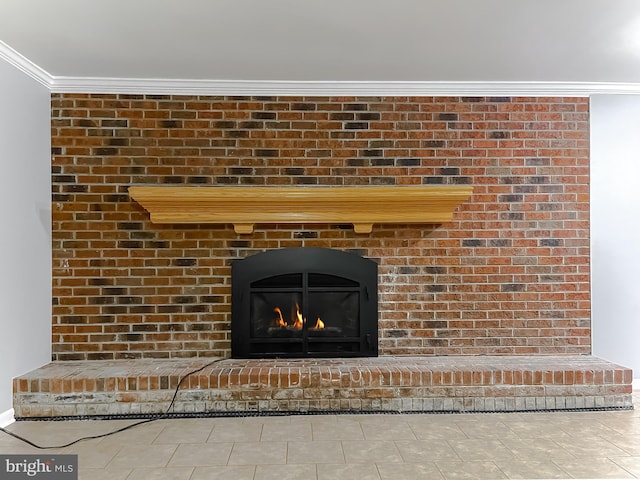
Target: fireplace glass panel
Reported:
[(291, 280), (330, 281), (274, 314), (338, 312)]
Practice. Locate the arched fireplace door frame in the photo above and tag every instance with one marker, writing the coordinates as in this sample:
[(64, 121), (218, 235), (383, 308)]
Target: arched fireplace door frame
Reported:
[(256, 277)]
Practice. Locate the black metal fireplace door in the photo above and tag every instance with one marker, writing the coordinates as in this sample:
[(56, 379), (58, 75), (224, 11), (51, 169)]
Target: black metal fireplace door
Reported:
[(304, 302)]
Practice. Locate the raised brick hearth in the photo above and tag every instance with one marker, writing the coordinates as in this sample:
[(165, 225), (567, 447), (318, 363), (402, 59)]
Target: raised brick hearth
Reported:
[(420, 384)]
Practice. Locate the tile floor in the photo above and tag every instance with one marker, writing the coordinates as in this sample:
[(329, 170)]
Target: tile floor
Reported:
[(334, 447)]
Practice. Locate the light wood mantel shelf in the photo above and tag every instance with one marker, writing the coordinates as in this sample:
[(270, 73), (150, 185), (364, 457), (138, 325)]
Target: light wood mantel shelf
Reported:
[(246, 206)]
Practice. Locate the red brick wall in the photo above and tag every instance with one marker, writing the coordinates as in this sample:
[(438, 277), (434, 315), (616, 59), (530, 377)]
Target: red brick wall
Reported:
[(509, 274)]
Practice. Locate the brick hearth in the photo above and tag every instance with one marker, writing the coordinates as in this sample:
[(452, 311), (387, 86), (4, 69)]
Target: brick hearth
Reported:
[(420, 384)]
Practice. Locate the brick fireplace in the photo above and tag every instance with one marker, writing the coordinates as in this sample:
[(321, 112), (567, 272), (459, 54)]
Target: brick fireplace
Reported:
[(508, 276)]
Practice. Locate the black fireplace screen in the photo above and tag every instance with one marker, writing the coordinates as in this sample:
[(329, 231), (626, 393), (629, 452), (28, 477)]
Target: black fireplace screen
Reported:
[(304, 302)]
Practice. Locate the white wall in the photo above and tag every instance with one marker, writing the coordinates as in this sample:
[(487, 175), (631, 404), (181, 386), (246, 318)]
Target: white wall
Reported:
[(615, 228), (25, 238)]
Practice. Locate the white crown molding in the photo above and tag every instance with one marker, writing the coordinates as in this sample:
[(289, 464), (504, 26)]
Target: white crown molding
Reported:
[(335, 88), (25, 65), (156, 86)]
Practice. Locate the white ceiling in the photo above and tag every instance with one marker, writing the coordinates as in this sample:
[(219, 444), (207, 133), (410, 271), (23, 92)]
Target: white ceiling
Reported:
[(329, 40)]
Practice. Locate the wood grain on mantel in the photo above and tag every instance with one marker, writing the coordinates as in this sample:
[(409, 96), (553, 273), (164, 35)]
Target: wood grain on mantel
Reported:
[(245, 206)]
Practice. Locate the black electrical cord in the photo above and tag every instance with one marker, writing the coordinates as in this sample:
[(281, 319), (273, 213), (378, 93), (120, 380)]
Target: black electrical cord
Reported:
[(149, 420)]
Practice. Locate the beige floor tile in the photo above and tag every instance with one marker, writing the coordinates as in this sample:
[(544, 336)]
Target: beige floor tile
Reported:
[(531, 469), (338, 431), (629, 443), (381, 420), (258, 453), (397, 430), (235, 421), (316, 421), (594, 468), (409, 471), (368, 418), (585, 425), (235, 432), (471, 450), (433, 419), (141, 456), (347, 421), (168, 473), (348, 472), (630, 464), (329, 451), (201, 455), (103, 474), (421, 451), (371, 451), (10, 446), (285, 472), (593, 447), (625, 424), (536, 429), (486, 429), (286, 433), (140, 434), (480, 418), (299, 419), (224, 473), (470, 470), (191, 430), (54, 433), (536, 449), (267, 420), (71, 429), (92, 454), (424, 431)]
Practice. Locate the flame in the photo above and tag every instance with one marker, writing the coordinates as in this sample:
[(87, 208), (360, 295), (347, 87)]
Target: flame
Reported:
[(279, 321), (298, 321)]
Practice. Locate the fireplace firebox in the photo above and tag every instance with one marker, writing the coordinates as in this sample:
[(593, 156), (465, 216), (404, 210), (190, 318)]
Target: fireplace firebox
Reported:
[(304, 302)]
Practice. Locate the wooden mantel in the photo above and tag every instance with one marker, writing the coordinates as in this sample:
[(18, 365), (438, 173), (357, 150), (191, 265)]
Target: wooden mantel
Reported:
[(245, 206)]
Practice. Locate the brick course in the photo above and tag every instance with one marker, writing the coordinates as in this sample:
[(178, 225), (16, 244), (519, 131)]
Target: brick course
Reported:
[(392, 383), (508, 276)]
